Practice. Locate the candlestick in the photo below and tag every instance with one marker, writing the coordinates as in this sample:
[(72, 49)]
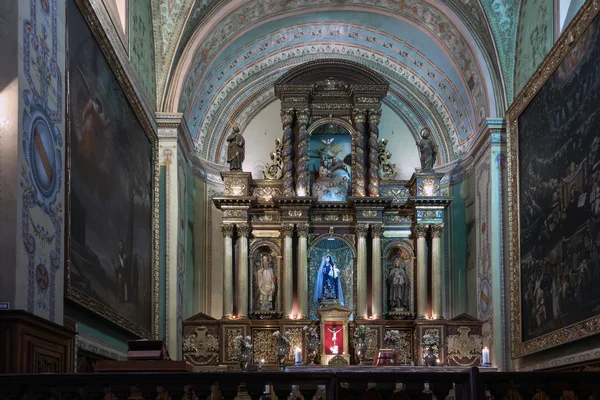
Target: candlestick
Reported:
[(298, 356), (485, 357)]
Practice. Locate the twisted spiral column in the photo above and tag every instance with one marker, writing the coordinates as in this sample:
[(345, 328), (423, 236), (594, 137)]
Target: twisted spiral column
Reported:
[(287, 117), (302, 157), (358, 169), (374, 117)]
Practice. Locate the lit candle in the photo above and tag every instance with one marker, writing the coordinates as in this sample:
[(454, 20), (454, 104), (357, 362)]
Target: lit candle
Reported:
[(260, 364), (485, 356), (298, 356)]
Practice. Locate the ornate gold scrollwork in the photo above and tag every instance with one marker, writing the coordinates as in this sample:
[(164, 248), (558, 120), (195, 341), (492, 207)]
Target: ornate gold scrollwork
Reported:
[(464, 350), (387, 170), (201, 347), (362, 230), (227, 230), (231, 334), (264, 346), (274, 169)]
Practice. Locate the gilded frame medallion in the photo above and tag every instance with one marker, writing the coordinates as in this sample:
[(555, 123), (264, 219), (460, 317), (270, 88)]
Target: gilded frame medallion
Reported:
[(521, 346)]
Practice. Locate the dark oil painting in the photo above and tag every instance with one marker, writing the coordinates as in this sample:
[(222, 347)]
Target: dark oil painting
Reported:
[(559, 167), (111, 186)]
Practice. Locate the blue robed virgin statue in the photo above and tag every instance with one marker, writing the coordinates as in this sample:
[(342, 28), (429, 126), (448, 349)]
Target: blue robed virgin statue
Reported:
[(328, 285)]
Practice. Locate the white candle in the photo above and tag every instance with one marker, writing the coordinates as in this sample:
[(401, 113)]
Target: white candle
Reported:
[(298, 356), (485, 356)]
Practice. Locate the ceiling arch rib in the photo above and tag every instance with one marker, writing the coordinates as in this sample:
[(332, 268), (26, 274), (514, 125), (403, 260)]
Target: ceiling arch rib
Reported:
[(256, 93), (251, 14)]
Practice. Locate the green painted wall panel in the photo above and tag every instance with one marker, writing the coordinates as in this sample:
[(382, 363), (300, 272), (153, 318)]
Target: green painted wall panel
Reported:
[(141, 46)]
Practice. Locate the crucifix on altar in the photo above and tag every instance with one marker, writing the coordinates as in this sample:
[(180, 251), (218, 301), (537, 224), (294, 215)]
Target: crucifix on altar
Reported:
[(334, 331)]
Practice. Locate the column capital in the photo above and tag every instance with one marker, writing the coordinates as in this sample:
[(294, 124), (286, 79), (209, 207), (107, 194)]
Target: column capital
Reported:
[(420, 231), (302, 229), (362, 230), (359, 116), (287, 116), (288, 230), (374, 116), (436, 230), (377, 230), (227, 229), (243, 229), (303, 116)]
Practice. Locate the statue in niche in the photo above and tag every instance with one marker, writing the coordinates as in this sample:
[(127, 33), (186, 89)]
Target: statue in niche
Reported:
[(265, 278), (328, 286), (428, 150), (235, 149), (398, 286)]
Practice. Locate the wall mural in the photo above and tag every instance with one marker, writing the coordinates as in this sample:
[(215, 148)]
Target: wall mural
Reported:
[(141, 47), (111, 189), (559, 178), (334, 258), (534, 40), (41, 159), (330, 162)]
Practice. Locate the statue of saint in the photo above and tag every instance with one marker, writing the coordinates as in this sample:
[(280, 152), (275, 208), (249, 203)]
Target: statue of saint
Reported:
[(428, 150), (397, 285), (266, 284), (235, 149), (328, 285)]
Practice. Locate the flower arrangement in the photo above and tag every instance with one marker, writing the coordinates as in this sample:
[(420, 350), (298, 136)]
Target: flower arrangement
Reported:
[(392, 339), (312, 334), (361, 332), (242, 344), (282, 339), (431, 339)]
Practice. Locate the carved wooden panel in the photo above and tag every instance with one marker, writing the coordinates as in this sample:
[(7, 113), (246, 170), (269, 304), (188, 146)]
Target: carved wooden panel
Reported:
[(464, 345), (228, 333), (201, 345), (263, 343)]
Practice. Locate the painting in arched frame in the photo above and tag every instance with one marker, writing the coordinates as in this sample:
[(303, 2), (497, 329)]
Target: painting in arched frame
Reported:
[(331, 162)]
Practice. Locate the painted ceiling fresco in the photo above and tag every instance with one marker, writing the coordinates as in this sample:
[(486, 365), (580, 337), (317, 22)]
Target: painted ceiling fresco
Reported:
[(440, 55)]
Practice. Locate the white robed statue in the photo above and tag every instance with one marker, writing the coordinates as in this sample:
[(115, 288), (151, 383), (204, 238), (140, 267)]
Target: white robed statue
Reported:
[(328, 285)]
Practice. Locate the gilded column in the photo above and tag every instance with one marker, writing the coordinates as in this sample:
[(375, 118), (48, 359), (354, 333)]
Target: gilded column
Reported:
[(302, 266), (420, 232), (436, 271), (288, 279), (287, 117), (376, 281), (302, 158), (374, 116), (242, 270), (361, 270), (358, 169), (227, 230)]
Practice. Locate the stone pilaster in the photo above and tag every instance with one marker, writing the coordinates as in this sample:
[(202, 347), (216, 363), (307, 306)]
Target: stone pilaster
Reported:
[(376, 278), (436, 272), (302, 268), (361, 271), (227, 230), (288, 281), (242, 270), (420, 232)]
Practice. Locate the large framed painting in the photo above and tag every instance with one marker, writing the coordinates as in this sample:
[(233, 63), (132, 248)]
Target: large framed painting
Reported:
[(112, 248), (554, 194)]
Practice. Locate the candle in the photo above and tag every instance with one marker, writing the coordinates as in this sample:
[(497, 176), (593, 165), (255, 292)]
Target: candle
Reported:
[(260, 364), (298, 356), (485, 356)]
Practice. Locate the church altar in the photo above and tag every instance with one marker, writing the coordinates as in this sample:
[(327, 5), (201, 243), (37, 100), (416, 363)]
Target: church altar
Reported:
[(329, 239)]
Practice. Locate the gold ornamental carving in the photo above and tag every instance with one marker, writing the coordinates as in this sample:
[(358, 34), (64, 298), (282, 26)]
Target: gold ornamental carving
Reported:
[(359, 116), (347, 218), (436, 230), (428, 187), (227, 230), (377, 230), (369, 214), (302, 230), (266, 218), (235, 187), (288, 230), (387, 170), (233, 213), (404, 350), (332, 218), (274, 169), (287, 116), (338, 361), (464, 350), (264, 346), (362, 230), (420, 231), (243, 229), (266, 194), (231, 335), (294, 213), (372, 343), (201, 347), (295, 341)]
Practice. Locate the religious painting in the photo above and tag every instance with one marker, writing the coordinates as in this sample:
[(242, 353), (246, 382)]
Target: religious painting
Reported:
[(331, 267), (398, 264), (330, 162), (265, 279), (554, 169), (111, 189)]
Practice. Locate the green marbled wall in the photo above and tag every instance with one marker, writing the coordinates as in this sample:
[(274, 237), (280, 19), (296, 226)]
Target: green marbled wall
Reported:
[(535, 38), (141, 46)]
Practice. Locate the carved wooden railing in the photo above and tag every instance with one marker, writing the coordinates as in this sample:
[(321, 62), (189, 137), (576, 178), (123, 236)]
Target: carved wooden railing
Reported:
[(343, 385)]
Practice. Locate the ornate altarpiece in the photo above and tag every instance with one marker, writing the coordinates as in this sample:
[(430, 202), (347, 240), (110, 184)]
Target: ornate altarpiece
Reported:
[(329, 191)]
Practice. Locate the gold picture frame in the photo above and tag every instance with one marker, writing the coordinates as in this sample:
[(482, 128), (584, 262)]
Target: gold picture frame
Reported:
[(100, 35), (583, 328)]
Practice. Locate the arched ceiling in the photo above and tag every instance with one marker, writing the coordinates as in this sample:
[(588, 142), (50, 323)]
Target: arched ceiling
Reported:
[(439, 57)]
